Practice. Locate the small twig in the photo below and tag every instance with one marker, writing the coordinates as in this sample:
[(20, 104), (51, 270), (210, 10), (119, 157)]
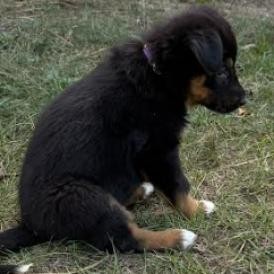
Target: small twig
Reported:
[(96, 53), (61, 38), (245, 162)]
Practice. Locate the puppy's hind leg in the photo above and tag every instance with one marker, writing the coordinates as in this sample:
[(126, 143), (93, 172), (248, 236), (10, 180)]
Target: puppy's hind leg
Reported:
[(160, 240), (126, 235), (86, 212), (90, 214)]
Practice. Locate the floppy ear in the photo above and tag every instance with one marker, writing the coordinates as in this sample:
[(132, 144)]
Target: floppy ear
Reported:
[(158, 53), (208, 49)]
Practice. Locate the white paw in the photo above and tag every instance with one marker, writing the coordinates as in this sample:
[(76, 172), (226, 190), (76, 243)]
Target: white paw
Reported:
[(188, 238), (148, 189), (208, 206), (23, 268)]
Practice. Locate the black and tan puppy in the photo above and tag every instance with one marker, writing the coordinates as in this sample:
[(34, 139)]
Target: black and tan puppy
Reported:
[(93, 144)]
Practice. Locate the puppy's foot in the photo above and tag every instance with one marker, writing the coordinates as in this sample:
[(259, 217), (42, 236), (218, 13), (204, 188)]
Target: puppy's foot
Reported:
[(23, 268), (189, 206), (188, 239), (207, 206), (148, 189), (160, 240), (141, 193)]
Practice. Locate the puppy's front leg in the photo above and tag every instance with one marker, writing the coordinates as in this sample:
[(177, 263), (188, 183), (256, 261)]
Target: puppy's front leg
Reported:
[(189, 206), (164, 170)]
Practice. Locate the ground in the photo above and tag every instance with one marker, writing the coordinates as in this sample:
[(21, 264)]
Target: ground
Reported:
[(46, 45)]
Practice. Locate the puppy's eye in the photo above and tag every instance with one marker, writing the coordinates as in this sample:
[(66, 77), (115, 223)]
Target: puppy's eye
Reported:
[(222, 74), (222, 77)]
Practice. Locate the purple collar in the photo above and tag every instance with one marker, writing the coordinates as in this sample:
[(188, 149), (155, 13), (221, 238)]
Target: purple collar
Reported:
[(147, 53), (148, 56)]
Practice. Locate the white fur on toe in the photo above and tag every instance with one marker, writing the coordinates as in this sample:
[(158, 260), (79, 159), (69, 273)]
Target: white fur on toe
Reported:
[(23, 268), (148, 189), (188, 238), (208, 206)]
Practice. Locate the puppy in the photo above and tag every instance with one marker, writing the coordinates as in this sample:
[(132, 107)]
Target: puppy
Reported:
[(94, 143)]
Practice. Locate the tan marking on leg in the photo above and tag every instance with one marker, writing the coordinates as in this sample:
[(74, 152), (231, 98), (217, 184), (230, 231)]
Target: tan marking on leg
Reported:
[(198, 93), (141, 193), (115, 204), (157, 240), (187, 204), (137, 195)]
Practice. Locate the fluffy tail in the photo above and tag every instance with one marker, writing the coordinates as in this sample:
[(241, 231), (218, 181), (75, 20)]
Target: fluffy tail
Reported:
[(14, 269), (15, 238)]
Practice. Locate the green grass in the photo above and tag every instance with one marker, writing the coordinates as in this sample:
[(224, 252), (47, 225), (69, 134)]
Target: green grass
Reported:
[(45, 46)]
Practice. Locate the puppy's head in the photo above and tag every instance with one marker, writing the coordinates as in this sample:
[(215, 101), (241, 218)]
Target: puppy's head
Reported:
[(217, 87), (196, 54)]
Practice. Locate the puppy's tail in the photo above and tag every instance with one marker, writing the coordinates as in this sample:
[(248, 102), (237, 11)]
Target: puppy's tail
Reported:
[(15, 238), (14, 269), (12, 240)]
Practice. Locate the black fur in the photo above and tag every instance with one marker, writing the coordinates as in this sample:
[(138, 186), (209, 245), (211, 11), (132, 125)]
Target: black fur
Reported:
[(11, 269), (93, 142), (8, 269)]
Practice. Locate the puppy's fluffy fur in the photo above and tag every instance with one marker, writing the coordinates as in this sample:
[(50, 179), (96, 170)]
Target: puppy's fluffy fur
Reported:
[(92, 145)]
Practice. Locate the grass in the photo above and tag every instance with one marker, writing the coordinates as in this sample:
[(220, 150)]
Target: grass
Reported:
[(46, 45)]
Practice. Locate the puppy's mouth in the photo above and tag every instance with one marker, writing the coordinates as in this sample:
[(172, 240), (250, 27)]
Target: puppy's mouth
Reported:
[(224, 108)]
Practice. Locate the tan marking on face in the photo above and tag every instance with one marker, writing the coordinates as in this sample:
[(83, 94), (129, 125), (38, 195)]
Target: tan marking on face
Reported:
[(187, 204), (156, 240), (198, 93)]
